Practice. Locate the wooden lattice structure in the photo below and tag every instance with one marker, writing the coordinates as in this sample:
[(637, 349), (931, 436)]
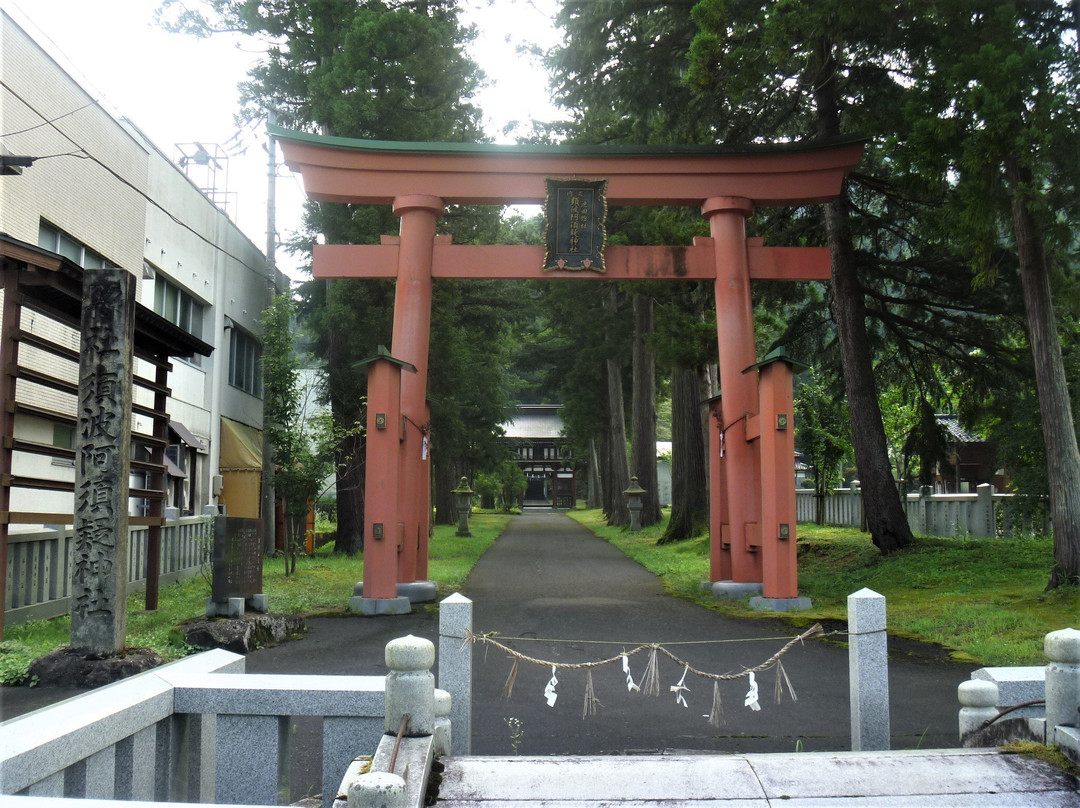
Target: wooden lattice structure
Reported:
[(39, 282)]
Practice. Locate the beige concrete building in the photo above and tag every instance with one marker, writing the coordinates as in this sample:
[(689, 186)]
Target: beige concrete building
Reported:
[(99, 193)]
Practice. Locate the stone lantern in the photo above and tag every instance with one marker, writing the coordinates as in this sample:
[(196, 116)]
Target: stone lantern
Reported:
[(634, 504), (463, 500)]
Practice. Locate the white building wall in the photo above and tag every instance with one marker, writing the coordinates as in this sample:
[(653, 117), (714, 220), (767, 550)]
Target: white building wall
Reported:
[(96, 198), (132, 205)]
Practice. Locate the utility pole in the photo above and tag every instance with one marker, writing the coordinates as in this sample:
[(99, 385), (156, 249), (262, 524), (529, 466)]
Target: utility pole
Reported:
[(269, 499)]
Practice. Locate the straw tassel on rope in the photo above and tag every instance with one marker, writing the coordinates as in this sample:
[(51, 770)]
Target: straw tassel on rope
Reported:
[(650, 682), (590, 697), (508, 688), (716, 715)]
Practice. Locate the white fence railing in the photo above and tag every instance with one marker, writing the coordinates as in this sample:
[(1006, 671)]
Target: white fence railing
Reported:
[(201, 730), (39, 565), (983, 513)]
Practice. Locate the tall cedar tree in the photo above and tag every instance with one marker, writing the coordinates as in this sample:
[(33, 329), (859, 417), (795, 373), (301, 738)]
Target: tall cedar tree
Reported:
[(378, 69), (998, 96), (781, 65), (618, 73)]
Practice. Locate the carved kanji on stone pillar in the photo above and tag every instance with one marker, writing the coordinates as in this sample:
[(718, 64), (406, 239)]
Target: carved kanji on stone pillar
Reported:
[(100, 555)]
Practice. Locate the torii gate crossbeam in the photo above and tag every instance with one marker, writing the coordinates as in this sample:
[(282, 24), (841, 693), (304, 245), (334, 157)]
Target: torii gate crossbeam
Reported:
[(752, 497)]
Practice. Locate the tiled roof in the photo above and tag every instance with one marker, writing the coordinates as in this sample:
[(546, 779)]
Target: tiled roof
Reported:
[(535, 421), (954, 430)]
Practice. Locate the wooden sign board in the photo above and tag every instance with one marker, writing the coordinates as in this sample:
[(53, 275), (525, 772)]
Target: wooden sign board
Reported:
[(576, 214)]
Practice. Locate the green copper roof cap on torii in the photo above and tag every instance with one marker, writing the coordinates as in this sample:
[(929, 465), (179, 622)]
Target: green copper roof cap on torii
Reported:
[(534, 149), (779, 354), (373, 172), (381, 353)]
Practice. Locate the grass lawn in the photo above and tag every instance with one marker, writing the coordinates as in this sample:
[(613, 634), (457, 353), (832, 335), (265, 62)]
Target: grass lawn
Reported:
[(322, 585), (981, 598)]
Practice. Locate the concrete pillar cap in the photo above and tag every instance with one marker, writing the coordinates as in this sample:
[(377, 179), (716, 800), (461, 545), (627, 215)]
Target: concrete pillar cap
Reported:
[(977, 693), (410, 654), (442, 703), (1063, 645), (378, 790)]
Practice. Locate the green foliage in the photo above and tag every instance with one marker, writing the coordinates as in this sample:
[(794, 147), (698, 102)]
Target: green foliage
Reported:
[(503, 486), (821, 430), (981, 598), (15, 658), (302, 438), (324, 587)]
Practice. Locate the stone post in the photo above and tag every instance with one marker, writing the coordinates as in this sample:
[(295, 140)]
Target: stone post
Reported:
[(455, 667), (868, 671), (634, 504), (1062, 680), (410, 686), (926, 518), (463, 500), (984, 523), (978, 703), (378, 790), (103, 453), (443, 728)]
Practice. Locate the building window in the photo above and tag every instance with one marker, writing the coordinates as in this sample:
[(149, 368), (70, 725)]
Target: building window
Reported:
[(63, 438), (245, 355), (56, 240), (179, 308)]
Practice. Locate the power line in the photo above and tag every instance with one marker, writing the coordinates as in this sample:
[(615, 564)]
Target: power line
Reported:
[(83, 154), (93, 103)]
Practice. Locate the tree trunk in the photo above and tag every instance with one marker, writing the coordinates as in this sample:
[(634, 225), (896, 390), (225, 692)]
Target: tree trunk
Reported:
[(350, 460), (689, 496), (596, 495), (885, 517), (618, 476), (1055, 408), (446, 479), (643, 408), (884, 513)]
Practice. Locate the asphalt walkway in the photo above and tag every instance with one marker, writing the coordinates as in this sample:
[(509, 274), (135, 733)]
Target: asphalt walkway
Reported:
[(550, 579), (554, 592)]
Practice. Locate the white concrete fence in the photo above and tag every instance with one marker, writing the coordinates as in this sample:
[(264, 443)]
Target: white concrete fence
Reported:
[(983, 513), (39, 565), (1039, 703), (201, 730)]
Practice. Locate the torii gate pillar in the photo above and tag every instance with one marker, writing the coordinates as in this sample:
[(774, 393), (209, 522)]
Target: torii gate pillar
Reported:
[(735, 334), (411, 340)]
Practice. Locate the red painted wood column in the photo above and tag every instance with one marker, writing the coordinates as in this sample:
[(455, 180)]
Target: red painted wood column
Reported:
[(384, 431), (719, 549), (735, 335), (411, 340), (780, 573)]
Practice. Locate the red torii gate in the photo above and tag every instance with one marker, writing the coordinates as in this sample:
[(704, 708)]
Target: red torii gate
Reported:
[(752, 497)]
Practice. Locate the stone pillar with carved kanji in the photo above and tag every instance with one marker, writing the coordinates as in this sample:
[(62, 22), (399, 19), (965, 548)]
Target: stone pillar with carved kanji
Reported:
[(103, 451)]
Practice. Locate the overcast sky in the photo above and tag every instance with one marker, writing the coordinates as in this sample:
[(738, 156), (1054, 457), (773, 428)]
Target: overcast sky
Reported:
[(182, 90)]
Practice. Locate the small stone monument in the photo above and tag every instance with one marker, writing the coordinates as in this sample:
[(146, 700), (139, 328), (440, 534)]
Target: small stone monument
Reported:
[(103, 452), (238, 563), (463, 496), (634, 504)]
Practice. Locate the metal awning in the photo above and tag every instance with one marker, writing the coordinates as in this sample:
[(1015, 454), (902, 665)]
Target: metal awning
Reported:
[(187, 436)]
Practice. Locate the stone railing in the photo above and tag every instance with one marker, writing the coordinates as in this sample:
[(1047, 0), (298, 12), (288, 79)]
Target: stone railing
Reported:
[(39, 565), (201, 730), (982, 513), (1030, 703)]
